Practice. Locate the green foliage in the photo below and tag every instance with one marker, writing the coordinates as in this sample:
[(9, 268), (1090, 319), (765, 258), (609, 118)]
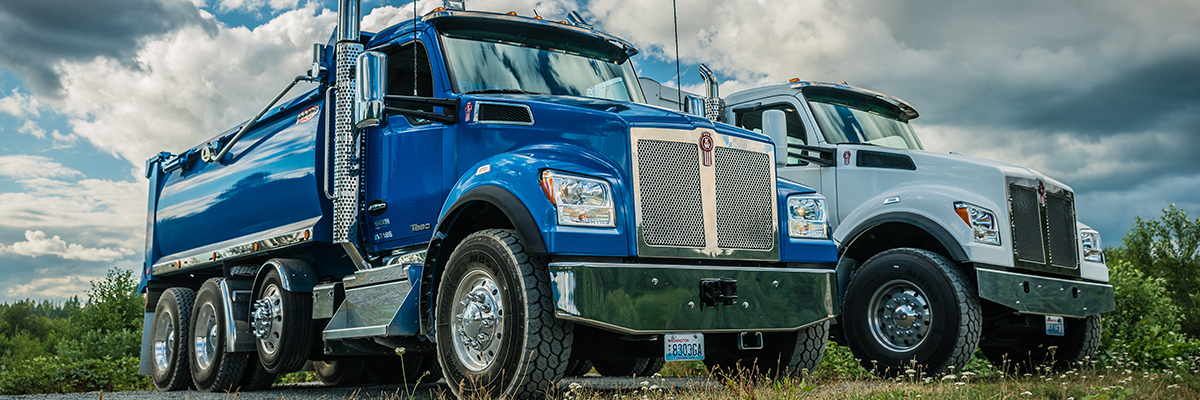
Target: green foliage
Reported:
[(1146, 318), (57, 375), (1168, 247), (112, 304), (839, 363)]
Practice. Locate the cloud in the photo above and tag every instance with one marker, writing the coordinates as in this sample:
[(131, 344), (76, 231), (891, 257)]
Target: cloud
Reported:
[(19, 105), (255, 5), (38, 244), (97, 213), (59, 287), (26, 166), (40, 35)]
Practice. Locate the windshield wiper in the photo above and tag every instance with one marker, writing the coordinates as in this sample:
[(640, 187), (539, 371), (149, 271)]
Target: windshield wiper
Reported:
[(505, 90)]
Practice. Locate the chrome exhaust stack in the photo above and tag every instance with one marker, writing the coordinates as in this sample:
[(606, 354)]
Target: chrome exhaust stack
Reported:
[(349, 147), (714, 107)]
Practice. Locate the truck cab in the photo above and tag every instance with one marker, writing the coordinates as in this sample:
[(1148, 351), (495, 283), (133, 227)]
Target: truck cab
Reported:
[(483, 197), (939, 253)]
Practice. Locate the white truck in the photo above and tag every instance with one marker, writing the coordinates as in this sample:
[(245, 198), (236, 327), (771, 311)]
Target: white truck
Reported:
[(938, 253)]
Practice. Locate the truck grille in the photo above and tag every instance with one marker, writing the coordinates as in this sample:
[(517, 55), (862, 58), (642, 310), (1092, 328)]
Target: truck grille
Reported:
[(1043, 236), (744, 215), (671, 214), (689, 210)]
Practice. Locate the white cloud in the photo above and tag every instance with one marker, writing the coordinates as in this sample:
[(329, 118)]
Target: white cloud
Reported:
[(252, 5), (58, 287), (38, 244), (26, 166), (98, 213), (19, 104)]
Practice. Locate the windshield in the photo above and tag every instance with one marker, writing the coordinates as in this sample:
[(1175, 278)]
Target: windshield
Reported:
[(841, 124), (482, 67)]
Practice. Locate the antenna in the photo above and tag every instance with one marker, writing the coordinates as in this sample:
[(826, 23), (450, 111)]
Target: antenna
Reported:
[(678, 84), (415, 47)]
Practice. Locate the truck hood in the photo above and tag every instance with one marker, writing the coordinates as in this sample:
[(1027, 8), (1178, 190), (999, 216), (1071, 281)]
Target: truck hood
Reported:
[(956, 162)]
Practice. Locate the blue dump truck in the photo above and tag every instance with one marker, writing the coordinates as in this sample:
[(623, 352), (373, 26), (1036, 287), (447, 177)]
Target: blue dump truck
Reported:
[(483, 197)]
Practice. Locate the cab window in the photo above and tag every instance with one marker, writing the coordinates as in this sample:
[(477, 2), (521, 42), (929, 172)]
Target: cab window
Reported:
[(403, 81)]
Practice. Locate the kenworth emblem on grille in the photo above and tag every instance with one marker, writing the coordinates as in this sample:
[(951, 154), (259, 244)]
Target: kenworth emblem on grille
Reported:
[(1041, 193), (706, 146)]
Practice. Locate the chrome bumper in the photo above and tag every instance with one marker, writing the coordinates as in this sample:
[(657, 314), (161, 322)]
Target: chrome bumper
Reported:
[(653, 298), (1030, 294)]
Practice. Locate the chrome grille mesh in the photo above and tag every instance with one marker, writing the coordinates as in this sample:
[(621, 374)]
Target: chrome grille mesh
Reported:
[(346, 149), (1060, 218), (744, 216), (669, 175), (1026, 224)]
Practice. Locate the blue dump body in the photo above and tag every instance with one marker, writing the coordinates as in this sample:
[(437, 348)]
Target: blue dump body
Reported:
[(692, 202)]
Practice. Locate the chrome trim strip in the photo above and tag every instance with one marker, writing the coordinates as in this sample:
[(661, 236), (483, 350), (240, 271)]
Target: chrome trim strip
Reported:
[(618, 329), (294, 234)]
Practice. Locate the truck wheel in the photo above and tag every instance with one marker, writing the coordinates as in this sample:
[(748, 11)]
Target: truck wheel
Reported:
[(907, 305), (496, 331), (579, 367), (282, 323), (340, 372), (169, 332), (1031, 348), (213, 369), (628, 367), (652, 367), (784, 354), (255, 377)]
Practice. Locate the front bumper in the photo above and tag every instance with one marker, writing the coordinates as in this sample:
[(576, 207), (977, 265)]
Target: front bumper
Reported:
[(654, 298), (1030, 294)]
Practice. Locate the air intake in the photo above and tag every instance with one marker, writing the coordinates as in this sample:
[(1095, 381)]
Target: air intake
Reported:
[(501, 113)]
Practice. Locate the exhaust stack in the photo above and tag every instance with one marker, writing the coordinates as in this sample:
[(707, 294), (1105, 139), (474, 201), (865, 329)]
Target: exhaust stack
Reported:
[(714, 107), (348, 146)]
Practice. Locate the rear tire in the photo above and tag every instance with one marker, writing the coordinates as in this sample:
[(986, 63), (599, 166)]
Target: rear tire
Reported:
[(911, 304), (626, 367), (578, 367), (496, 331), (653, 366), (1031, 347), (213, 369), (282, 323), (340, 372), (169, 363), (255, 377)]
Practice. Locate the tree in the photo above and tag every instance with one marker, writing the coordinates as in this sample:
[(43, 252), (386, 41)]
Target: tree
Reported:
[(1168, 247), (112, 305)]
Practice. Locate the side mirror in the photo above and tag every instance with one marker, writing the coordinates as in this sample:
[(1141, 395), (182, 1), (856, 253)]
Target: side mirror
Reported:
[(370, 87), (774, 123)]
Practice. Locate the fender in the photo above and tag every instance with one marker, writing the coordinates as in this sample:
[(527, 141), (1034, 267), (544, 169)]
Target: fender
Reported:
[(297, 275), (931, 208)]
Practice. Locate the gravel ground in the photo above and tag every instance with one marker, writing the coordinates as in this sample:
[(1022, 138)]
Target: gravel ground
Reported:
[(314, 391)]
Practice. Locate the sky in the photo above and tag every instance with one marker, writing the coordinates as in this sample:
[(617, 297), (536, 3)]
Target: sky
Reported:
[(1103, 95)]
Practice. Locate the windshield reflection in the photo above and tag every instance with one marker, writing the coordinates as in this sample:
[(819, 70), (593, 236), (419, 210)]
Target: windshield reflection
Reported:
[(841, 124), (503, 68)]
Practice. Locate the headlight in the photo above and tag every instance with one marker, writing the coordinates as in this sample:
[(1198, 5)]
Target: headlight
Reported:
[(981, 220), (580, 201), (1092, 250), (806, 217)]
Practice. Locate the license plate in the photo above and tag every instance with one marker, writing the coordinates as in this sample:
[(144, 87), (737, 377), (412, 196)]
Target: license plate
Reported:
[(683, 346), (1055, 326)]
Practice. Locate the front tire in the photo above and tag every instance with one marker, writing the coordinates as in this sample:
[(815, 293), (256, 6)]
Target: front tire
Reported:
[(172, 317), (496, 331), (907, 305), (1026, 349), (784, 354), (213, 369)]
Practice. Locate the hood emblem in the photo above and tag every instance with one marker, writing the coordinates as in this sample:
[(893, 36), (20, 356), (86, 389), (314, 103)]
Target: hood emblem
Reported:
[(1041, 193), (706, 147), (846, 157)]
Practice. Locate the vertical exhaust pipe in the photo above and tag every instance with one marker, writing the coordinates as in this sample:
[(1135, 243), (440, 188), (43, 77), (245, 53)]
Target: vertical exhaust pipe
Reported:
[(714, 107), (349, 147)]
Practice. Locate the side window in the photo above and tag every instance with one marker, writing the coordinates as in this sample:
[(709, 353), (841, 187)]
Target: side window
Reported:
[(401, 75), (795, 128)]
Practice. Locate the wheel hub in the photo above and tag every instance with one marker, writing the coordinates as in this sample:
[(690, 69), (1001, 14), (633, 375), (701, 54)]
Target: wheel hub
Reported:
[(164, 342), (267, 317), (207, 336), (478, 320), (899, 315)]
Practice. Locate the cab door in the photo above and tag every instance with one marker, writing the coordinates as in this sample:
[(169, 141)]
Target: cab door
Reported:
[(404, 159)]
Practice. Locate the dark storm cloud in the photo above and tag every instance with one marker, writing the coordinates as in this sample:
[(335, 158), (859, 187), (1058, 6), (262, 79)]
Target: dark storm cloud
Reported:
[(38, 34)]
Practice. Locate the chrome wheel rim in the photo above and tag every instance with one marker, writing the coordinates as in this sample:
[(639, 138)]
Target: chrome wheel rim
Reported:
[(899, 315), (268, 319), (477, 320), (206, 336), (164, 341)]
